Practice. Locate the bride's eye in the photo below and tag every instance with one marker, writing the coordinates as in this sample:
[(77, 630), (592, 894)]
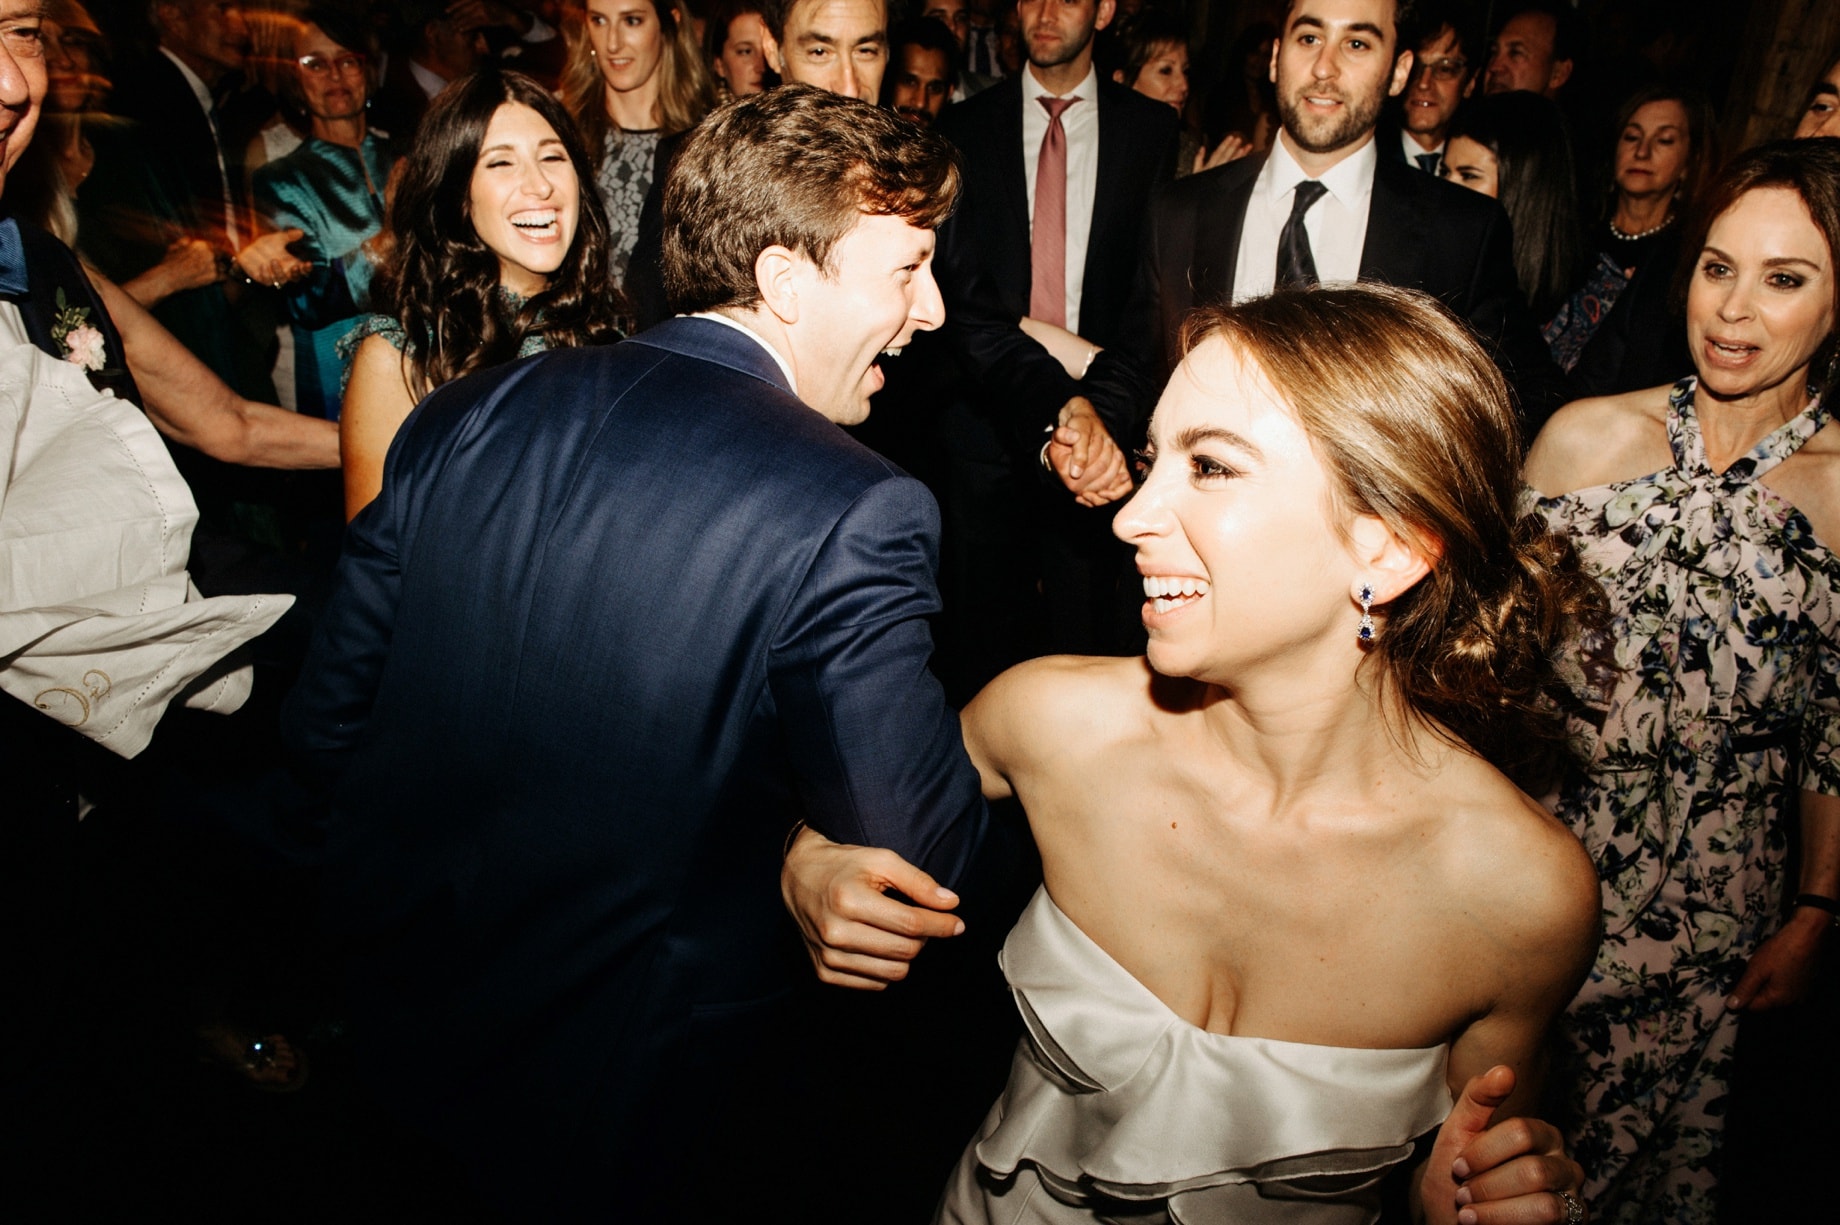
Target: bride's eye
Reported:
[(1208, 468)]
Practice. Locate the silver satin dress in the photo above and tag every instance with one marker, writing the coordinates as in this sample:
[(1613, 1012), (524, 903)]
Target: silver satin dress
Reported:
[(1119, 1110)]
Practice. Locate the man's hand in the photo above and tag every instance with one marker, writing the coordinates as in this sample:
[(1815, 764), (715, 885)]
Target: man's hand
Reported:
[(1081, 452), (1782, 969), (1509, 1173), (857, 936), (268, 261)]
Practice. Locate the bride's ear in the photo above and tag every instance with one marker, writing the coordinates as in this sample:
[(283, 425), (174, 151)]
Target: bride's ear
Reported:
[(1386, 561)]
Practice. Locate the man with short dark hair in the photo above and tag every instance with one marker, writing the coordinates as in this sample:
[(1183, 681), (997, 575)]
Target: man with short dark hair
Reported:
[(621, 619), (924, 70), (1444, 71), (1324, 206), (839, 45), (1535, 49)]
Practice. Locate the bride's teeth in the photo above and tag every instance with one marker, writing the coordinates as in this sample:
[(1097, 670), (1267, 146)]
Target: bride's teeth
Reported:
[(1158, 587)]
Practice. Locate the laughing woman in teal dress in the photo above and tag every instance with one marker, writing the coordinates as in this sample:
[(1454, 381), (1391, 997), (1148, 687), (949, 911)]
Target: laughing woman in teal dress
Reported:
[(1711, 709), (332, 190)]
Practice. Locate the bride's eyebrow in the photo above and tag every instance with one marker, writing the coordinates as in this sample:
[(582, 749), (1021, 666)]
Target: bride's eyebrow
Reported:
[(1194, 436)]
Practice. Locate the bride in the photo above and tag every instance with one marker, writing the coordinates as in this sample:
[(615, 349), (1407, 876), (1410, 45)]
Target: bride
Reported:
[(1296, 899)]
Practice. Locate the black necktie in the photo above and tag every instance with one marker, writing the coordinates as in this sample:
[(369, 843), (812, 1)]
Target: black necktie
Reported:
[(1296, 266), (1430, 163)]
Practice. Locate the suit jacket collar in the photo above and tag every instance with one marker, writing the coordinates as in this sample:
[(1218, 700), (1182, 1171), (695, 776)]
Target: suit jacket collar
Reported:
[(709, 341)]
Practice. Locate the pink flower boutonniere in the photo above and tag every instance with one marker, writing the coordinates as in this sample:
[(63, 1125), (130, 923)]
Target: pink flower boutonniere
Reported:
[(82, 340)]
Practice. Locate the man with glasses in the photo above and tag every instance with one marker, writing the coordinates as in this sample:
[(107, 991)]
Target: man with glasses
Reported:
[(1444, 73)]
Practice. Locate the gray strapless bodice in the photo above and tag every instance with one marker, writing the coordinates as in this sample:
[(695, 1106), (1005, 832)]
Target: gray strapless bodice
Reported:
[(1118, 1109)]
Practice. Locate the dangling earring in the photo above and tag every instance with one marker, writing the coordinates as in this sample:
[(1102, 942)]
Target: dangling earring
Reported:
[(1365, 631)]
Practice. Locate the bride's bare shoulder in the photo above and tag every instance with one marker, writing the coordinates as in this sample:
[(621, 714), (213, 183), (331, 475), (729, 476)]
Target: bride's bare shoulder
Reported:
[(1522, 873), (1600, 441), (1074, 700)]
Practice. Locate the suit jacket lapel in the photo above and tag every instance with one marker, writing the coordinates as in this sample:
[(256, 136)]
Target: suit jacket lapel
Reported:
[(1217, 235), (1393, 250), (1011, 176), (1112, 138)]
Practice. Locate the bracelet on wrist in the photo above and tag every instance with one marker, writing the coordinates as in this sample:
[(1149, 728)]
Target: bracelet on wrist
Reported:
[(1817, 901)]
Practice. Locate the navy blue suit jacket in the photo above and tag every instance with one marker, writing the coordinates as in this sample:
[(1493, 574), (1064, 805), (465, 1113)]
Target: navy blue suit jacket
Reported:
[(620, 617)]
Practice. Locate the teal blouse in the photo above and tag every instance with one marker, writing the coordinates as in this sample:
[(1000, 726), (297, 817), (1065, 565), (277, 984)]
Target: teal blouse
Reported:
[(324, 190)]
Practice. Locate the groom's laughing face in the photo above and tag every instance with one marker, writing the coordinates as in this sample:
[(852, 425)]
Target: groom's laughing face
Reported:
[(877, 292)]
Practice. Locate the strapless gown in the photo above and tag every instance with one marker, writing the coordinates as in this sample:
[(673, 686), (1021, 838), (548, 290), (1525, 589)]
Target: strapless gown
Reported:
[(1119, 1110)]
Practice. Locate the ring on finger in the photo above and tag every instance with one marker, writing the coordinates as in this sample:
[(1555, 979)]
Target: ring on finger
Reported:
[(1574, 1208)]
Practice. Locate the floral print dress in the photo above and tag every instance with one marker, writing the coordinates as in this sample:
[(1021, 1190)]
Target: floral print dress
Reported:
[(1712, 699)]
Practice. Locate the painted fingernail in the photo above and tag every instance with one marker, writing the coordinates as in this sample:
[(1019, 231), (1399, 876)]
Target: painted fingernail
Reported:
[(1459, 1168)]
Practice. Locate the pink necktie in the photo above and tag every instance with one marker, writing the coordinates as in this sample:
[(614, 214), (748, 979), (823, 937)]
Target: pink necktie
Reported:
[(1048, 241)]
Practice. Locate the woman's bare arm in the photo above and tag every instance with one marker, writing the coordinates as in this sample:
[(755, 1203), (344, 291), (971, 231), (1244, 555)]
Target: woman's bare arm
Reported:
[(191, 405), (377, 401)]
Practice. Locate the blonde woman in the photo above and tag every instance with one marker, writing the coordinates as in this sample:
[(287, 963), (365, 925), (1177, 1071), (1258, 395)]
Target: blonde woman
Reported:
[(635, 73)]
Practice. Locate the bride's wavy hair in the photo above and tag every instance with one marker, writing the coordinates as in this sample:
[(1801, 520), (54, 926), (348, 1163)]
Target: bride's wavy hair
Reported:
[(1414, 426), (440, 279)]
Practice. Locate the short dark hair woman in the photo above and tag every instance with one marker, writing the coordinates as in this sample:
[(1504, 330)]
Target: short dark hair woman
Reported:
[(1708, 511), (498, 249)]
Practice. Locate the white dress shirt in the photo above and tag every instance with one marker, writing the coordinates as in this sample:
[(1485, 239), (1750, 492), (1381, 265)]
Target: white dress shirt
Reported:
[(1414, 150), (1081, 123), (1336, 224)]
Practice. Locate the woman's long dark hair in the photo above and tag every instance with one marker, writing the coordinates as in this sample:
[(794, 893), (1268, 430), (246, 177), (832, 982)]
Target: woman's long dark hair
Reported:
[(1533, 158), (441, 280)]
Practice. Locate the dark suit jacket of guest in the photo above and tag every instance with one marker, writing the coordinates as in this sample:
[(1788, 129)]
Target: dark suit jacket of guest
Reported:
[(165, 162), (984, 269), (399, 104), (1422, 233), (620, 617)]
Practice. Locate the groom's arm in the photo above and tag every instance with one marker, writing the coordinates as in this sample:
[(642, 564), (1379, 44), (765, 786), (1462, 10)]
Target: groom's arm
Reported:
[(869, 739)]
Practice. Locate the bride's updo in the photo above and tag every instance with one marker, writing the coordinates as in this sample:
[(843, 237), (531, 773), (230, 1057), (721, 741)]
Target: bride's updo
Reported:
[(1414, 426)]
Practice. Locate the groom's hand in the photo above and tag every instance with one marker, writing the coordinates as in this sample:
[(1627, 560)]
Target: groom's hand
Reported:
[(857, 936), (1514, 1172)]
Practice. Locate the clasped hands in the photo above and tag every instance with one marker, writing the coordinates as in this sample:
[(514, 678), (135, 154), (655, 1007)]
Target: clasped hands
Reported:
[(1082, 454), (1480, 1172)]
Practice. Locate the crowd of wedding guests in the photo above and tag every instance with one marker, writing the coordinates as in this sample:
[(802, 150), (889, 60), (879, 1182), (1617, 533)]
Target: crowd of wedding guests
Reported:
[(298, 220)]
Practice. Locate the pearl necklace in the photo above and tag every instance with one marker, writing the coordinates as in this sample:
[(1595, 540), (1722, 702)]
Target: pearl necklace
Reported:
[(1649, 232)]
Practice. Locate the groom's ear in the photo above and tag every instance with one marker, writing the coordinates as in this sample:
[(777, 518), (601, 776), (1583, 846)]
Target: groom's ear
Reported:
[(776, 271)]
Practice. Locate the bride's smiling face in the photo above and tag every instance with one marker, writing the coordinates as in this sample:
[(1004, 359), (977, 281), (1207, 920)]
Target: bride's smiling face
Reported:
[(1240, 560)]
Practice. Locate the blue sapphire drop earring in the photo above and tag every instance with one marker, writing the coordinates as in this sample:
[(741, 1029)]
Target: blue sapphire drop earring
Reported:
[(1365, 631)]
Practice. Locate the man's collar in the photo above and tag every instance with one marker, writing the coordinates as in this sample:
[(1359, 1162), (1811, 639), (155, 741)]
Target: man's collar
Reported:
[(199, 89), (1032, 88), (431, 81), (1349, 180), (785, 367)]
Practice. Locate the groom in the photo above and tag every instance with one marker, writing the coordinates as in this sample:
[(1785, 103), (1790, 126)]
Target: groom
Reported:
[(620, 618)]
